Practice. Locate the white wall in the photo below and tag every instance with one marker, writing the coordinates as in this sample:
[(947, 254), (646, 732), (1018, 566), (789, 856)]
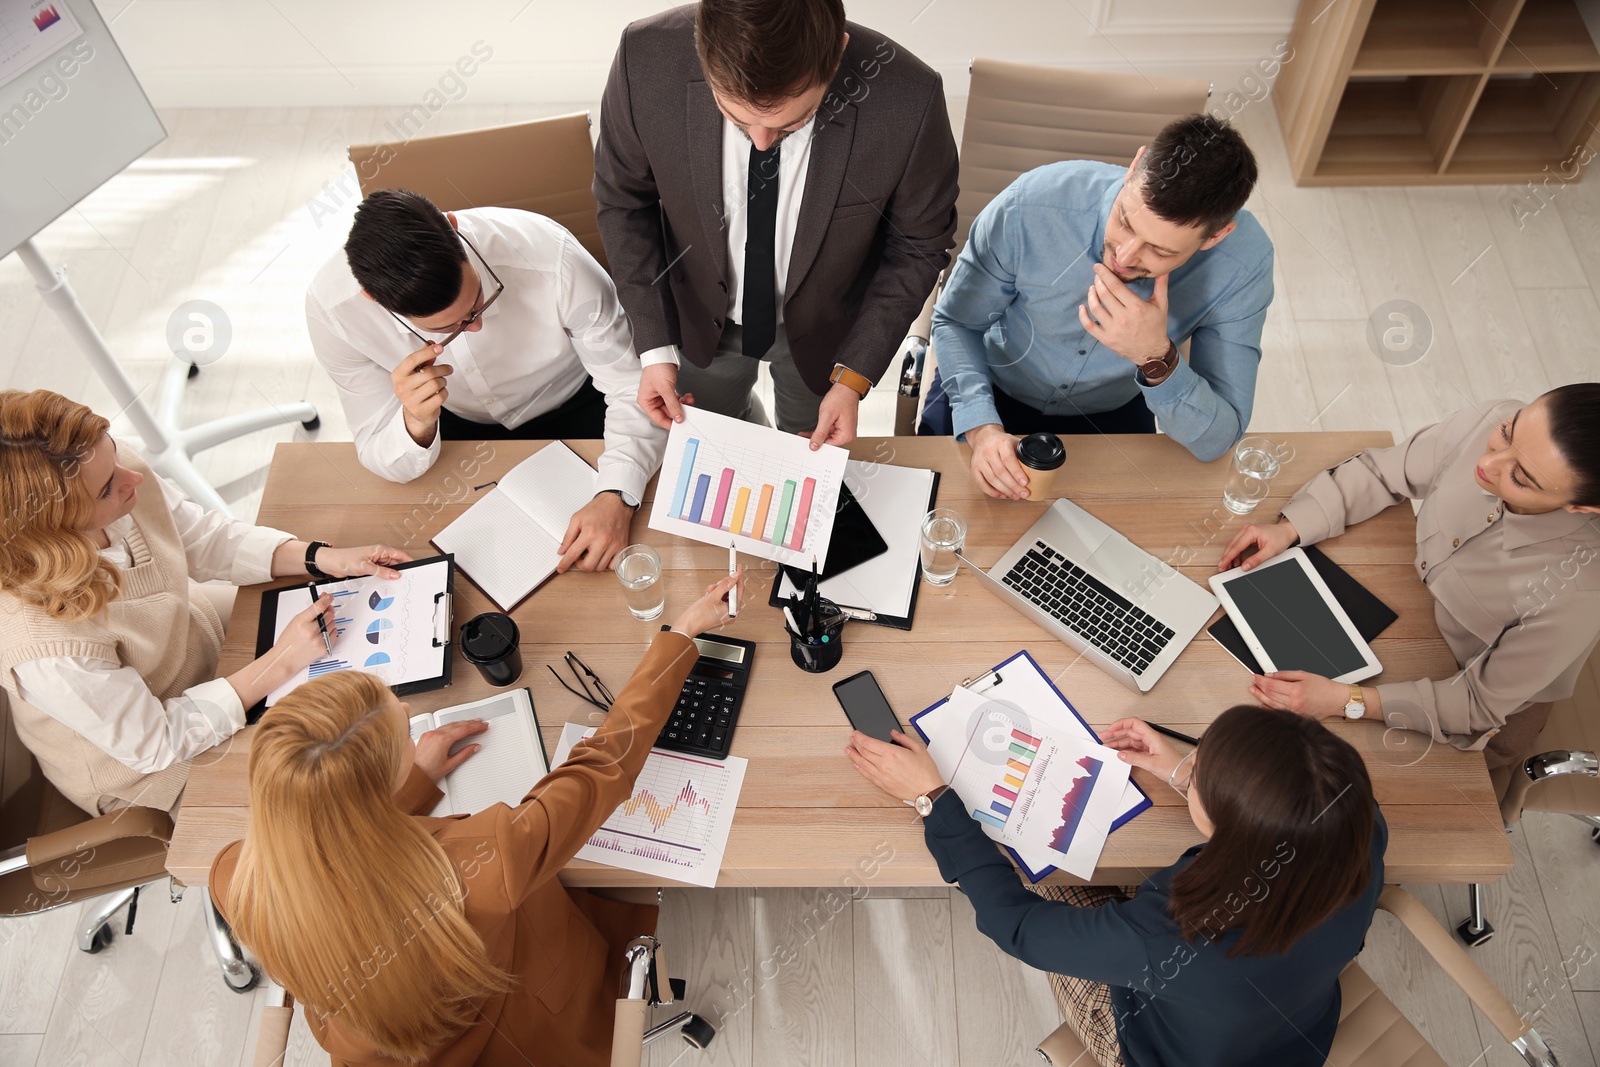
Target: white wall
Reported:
[(274, 53)]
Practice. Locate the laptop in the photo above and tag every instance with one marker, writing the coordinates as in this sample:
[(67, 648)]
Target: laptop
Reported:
[(1118, 605)]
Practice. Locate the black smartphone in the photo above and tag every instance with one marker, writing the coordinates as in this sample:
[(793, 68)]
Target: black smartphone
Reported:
[(865, 706)]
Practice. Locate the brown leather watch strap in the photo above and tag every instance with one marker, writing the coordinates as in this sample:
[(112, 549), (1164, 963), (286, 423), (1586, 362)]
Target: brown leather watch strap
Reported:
[(843, 375)]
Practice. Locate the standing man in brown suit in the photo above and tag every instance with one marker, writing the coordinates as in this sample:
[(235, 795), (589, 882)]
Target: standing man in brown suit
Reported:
[(774, 183)]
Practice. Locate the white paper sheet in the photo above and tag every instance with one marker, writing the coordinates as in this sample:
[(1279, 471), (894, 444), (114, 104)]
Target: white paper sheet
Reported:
[(676, 823), (895, 499), (712, 462), (383, 627)]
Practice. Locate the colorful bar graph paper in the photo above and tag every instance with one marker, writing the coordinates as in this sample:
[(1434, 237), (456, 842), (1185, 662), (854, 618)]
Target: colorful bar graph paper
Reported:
[(740, 503), (989, 818), (806, 492), (759, 527), (690, 450), (722, 497), (780, 529), (1009, 794), (701, 485)]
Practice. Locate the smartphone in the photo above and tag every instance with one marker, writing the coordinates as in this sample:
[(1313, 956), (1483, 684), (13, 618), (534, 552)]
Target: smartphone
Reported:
[(865, 706)]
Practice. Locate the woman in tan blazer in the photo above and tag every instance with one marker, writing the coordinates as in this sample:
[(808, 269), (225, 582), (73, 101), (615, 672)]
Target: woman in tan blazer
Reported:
[(1507, 541), (415, 940)]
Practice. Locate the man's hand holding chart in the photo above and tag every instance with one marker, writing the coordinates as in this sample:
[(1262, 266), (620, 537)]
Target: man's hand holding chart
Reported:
[(725, 480)]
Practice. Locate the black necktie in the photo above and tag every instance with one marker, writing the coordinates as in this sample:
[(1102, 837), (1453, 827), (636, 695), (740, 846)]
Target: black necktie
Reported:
[(760, 313)]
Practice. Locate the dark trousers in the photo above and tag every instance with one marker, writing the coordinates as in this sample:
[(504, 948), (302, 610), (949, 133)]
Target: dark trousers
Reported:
[(1019, 418), (581, 416)]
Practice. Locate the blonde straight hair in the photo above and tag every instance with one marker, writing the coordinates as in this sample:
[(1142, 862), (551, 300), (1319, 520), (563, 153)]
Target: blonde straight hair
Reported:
[(46, 558), (348, 902)]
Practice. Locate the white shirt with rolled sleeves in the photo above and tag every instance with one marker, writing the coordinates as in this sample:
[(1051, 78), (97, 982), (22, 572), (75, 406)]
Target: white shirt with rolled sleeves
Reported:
[(557, 323), (109, 703), (1516, 597)]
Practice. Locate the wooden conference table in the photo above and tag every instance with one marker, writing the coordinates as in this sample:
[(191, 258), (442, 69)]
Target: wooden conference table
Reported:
[(806, 818)]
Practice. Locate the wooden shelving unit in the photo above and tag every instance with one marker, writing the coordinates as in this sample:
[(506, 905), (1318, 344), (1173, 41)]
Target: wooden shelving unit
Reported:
[(1415, 92)]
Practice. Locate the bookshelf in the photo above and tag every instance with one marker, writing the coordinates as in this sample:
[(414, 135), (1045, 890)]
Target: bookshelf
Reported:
[(1415, 92)]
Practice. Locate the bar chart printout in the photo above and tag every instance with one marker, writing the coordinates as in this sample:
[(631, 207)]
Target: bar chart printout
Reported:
[(675, 824), (763, 490)]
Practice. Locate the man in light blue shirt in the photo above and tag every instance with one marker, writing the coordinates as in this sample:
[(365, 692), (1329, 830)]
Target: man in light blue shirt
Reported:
[(1065, 309)]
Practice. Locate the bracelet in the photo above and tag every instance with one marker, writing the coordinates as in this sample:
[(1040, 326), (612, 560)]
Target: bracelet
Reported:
[(311, 561)]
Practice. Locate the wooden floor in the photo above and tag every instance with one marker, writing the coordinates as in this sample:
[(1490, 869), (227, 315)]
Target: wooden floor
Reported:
[(240, 207)]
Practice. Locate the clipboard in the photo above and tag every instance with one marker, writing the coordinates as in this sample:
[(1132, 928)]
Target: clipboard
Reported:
[(378, 616), (841, 584), (991, 683)]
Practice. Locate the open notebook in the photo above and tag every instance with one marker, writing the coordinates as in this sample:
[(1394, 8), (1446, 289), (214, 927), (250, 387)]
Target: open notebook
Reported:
[(511, 760), (507, 542)]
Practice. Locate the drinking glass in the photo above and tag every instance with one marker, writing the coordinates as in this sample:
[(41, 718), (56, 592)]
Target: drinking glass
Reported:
[(944, 533), (639, 571), (1255, 464)]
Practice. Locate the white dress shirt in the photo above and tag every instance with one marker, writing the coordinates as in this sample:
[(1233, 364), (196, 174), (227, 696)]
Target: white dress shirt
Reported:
[(557, 323), (794, 159), (109, 703)]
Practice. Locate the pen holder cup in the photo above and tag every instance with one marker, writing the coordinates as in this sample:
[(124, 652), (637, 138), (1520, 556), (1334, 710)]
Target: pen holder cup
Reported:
[(818, 654)]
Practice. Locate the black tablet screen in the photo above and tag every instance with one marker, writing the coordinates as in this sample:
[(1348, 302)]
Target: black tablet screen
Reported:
[(1292, 622)]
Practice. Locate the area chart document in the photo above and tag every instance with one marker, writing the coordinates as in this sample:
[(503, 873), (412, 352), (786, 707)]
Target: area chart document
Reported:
[(675, 824), (726, 481)]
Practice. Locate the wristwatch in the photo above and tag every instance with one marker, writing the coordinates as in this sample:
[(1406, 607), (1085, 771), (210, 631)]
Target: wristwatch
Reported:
[(1358, 703), (924, 803), (311, 560), (1157, 369), (621, 496), (845, 376)]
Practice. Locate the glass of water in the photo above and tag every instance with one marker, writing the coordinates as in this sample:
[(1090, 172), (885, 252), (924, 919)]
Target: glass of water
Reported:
[(639, 571), (1255, 464), (944, 533)]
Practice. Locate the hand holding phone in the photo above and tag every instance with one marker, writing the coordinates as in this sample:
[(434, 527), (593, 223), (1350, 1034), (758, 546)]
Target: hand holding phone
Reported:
[(866, 707)]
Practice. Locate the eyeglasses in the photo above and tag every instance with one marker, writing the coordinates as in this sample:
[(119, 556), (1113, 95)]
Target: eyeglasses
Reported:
[(1187, 780), (587, 677), (462, 326)]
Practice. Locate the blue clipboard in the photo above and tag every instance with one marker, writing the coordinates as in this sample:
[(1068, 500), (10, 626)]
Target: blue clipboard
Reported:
[(998, 673)]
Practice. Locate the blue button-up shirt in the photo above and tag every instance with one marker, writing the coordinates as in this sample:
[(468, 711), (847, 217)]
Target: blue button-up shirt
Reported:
[(1009, 314)]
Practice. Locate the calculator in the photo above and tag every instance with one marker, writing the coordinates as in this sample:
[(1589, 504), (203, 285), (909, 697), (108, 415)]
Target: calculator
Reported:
[(708, 708)]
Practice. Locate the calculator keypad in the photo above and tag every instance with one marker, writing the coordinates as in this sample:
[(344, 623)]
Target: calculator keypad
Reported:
[(703, 720)]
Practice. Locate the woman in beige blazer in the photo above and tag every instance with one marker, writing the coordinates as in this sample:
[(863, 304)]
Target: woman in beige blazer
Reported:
[(415, 940), (1507, 541)]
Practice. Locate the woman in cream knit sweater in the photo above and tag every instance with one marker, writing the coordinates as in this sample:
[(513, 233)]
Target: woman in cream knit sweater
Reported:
[(108, 647)]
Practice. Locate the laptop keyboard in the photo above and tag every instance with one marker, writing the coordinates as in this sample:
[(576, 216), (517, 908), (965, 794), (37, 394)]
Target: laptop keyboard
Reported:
[(1088, 607)]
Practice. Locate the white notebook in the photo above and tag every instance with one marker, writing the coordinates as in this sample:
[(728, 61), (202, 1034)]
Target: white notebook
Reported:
[(511, 760), (508, 542)]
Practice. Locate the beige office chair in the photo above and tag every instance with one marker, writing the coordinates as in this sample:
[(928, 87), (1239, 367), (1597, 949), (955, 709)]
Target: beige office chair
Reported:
[(1372, 1032), (1558, 775), (52, 853), (642, 989), (546, 166), (1020, 117)]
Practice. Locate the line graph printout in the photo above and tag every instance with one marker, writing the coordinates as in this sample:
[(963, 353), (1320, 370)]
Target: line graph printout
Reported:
[(31, 31), (724, 481), (675, 824)]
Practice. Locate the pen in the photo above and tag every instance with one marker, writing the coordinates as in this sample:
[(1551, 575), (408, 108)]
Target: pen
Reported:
[(1175, 735), (733, 568), (322, 624), (794, 627)]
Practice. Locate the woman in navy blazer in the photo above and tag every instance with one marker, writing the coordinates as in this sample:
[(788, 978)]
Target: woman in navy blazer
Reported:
[(1231, 956)]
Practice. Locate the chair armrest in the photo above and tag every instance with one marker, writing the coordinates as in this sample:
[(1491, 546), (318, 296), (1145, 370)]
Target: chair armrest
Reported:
[(1561, 761), (1455, 962), (627, 1032), (1063, 1048), (120, 825), (272, 1040)]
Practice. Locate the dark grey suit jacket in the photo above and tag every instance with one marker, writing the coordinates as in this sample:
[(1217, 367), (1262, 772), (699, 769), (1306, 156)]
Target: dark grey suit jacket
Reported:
[(875, 222)]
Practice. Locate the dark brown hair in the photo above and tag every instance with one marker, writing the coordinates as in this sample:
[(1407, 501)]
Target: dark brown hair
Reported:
[(761, 52), (405, 254), (1293, 816), (1574, 413), (1197, 172)]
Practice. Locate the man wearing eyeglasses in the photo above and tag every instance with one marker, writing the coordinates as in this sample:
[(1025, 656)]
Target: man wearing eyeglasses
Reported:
[(775, 184), (483, 324)]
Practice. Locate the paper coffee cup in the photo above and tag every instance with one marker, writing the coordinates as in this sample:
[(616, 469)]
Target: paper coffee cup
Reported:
[(1041, 454)]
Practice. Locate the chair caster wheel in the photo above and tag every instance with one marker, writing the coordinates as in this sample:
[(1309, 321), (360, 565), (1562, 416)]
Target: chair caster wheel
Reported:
[(1473, 940), (102, 938), (697, 1033), (311, 423), (194, 370), (1594, 835)]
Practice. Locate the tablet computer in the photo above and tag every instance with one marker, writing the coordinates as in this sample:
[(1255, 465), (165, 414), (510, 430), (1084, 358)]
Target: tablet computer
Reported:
[(1291, 621)]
